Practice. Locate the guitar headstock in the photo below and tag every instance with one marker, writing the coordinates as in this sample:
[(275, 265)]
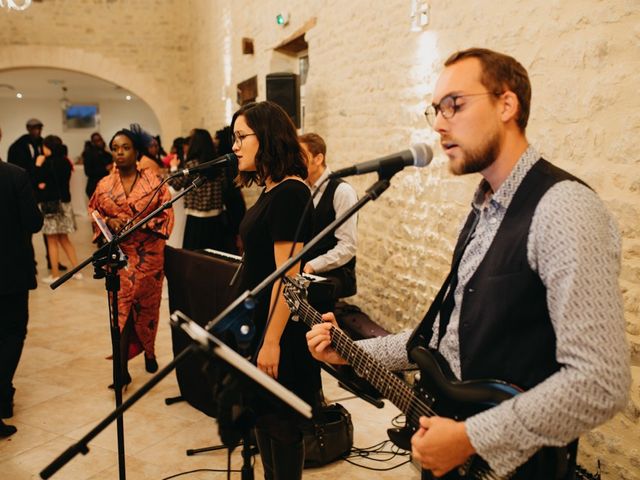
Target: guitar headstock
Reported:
[(295, 291)]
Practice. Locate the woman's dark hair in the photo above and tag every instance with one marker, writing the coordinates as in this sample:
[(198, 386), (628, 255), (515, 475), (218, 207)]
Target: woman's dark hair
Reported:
[(178, 145), (54, 143), (161, 150), (224, 140), (135, 141), (87, 147), (201, 146), (279, 153)]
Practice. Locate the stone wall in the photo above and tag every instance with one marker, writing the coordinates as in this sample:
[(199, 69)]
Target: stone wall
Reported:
[(369, 81)]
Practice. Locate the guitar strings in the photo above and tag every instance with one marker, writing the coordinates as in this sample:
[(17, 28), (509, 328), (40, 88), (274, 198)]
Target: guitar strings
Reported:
[(405, 398)]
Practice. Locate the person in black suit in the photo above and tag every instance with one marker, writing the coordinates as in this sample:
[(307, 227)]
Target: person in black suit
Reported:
[(98, 162), (24, 150), (20, 218)]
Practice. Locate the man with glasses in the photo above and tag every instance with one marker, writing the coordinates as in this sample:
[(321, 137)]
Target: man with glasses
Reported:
[(532, 297)]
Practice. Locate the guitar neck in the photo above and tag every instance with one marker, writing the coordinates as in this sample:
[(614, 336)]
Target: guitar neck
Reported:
[(388, 384)]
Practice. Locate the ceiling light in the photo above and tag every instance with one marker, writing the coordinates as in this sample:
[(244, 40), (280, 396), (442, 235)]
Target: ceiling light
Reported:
[(128, 97), (18, 95)]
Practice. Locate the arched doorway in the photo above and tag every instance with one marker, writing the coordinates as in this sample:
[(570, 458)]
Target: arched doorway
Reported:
[(112, 70)]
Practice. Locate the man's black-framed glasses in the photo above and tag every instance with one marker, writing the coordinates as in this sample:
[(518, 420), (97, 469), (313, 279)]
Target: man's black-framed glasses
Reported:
[(448, 106), (239, 137)]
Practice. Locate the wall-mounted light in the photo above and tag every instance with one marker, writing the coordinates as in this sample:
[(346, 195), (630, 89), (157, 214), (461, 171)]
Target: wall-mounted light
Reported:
[(282, 19), (64, 101), (419, 15), (15, 5)]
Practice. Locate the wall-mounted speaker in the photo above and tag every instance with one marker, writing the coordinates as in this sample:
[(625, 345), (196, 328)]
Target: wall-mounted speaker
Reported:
[(284, 89)]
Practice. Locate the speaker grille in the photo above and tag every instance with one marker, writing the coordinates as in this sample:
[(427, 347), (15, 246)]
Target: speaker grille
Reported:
[(284, 89)]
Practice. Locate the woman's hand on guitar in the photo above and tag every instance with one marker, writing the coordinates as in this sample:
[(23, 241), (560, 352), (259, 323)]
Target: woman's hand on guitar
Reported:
[(441, 444), (319, 341)]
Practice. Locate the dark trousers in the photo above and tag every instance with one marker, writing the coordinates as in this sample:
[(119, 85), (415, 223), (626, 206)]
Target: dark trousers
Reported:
[(14, 315), (281, 446)]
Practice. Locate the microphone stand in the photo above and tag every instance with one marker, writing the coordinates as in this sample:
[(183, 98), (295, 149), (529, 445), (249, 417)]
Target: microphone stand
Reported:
[(247, 299), (107, 262)]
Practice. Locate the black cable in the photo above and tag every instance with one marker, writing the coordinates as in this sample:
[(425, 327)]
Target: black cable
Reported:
[(367, 453), (199, 470), (377, 469), (399, 420)]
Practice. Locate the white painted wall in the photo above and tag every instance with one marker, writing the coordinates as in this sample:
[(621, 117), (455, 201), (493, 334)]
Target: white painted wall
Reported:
[(114, 114)]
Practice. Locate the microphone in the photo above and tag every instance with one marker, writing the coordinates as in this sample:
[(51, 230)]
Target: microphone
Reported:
[(419, 155), (228, 159)]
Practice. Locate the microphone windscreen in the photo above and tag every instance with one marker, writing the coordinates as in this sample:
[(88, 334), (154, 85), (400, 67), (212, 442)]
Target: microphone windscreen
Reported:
[(422, 154), (232, 168)]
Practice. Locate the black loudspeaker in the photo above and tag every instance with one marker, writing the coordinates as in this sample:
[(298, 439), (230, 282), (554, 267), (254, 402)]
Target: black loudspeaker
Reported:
[(284, 89)]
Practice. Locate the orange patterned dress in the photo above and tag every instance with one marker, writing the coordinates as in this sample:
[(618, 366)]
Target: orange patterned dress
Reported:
[(141, 281)]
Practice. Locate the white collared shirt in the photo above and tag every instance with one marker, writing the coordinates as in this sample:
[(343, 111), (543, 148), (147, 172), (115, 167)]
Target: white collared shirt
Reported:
[(347, 234)]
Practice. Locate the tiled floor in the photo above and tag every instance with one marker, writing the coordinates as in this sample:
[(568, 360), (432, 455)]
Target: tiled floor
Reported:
[(61, 395)]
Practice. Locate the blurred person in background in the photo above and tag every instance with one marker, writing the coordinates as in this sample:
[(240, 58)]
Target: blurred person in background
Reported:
[(177, 152), (53, 174), (146, 141), (155, 151), (234, 204), (97, 162), (206, 225), (23, 153)]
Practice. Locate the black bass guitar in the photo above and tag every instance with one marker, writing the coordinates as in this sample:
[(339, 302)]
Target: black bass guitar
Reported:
[(437, 393)]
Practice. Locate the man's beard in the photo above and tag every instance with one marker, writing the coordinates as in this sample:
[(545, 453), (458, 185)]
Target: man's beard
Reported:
[(476, 161)]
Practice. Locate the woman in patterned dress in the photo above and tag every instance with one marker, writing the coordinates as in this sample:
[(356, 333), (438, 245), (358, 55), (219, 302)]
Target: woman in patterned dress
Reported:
[(118, 198)]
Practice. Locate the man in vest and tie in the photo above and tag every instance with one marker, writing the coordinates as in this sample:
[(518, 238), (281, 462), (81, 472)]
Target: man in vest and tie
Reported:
[(334, 257), (532, 297)]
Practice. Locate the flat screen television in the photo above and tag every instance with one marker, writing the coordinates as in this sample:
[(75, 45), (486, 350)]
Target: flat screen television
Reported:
[(81, 116)]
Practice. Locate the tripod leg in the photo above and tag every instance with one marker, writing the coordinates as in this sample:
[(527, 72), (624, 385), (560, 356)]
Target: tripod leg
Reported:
[(194, 451), (248, 451), (172, 400)]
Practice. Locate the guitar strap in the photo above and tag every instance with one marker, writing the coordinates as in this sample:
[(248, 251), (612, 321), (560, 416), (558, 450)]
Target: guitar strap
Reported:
[(444, 302)]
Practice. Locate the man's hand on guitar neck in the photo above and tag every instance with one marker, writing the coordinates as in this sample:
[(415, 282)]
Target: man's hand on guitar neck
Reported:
[(441, 444), (319, 341)]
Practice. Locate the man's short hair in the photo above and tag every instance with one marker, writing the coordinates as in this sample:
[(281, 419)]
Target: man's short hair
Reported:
[(34, 122), (501, 72), (315, 144)]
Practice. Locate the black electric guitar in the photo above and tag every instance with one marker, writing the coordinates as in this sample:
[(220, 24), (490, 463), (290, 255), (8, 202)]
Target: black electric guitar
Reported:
[(437, 392)]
